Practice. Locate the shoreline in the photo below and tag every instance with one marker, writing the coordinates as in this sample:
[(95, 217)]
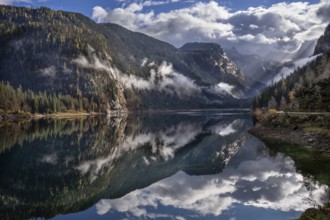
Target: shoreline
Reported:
[(64, 115), (115, 113), (292, 136), (28, 116), (304, 129)]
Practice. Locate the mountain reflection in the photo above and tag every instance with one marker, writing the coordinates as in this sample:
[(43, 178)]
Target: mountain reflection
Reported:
[(262, 181), (203, 164)]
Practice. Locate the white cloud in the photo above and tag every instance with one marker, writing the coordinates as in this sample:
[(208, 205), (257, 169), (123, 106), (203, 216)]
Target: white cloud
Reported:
[(50, 158), (154, 3), (144, 62), (48, 72), (9, 2), (275, 32), (224, 88), (287, 70), (228, 130), (99, 14), (324, 12), (134, 7), (149, 3), (162, 78), (253, 26), (92, 61)]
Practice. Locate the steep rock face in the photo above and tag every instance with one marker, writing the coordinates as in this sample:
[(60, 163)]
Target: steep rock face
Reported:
[(194, 60), (256, 70), (323, 43), (210, 58), (251, 65), (67, 53)]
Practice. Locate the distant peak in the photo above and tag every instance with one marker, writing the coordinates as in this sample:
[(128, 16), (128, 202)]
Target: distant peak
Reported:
[(195, 46)]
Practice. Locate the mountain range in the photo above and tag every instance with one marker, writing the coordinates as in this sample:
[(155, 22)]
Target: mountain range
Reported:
[(54, 61), (64, 53)]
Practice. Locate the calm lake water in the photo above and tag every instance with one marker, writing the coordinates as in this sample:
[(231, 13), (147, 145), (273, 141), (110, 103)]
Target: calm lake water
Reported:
[(179, 165)]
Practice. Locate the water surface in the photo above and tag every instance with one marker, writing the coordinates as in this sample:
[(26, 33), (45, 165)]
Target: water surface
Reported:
[(178, 165)]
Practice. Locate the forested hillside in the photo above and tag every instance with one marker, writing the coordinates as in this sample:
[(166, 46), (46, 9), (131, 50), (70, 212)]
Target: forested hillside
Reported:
[(17, 100), (38, 48), (307, 89), (106, 66)]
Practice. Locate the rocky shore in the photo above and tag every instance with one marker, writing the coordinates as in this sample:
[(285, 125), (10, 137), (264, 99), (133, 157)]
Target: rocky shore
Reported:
[(298, 129), (295, 135)]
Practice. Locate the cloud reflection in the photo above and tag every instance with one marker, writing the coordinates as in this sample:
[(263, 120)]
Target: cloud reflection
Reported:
[(264, 182), (163, 143)]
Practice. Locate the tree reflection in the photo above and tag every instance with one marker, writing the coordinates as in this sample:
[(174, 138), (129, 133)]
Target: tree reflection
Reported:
[(50, 167)]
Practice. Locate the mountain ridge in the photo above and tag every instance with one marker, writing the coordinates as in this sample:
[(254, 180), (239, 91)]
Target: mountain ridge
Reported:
[(68, 53)]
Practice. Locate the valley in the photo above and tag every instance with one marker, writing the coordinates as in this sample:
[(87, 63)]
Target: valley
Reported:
[(99, 119)]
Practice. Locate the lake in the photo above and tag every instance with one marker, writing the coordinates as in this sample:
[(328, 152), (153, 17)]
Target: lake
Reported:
[(170, 165)]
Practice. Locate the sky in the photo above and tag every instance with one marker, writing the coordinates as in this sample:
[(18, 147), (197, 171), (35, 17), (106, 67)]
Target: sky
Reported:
[(274, 29)]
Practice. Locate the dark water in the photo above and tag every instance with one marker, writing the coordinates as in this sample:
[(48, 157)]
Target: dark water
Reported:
[(186, 165)]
